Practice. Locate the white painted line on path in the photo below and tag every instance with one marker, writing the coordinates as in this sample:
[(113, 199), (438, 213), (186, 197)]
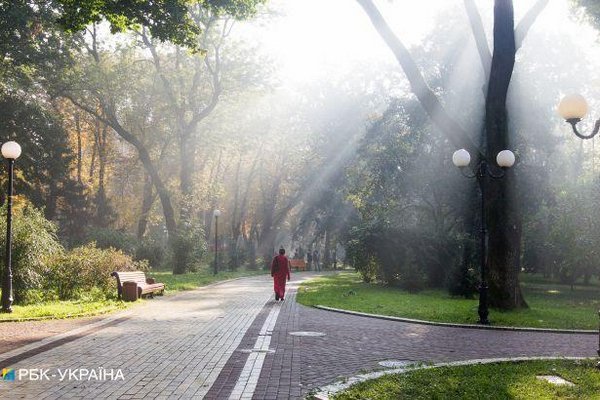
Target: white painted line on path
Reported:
[(246, 383)]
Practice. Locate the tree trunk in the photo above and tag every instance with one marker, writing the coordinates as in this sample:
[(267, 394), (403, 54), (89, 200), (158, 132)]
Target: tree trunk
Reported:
[(186, 157), (503, 217), (79, 148), (147, 201)]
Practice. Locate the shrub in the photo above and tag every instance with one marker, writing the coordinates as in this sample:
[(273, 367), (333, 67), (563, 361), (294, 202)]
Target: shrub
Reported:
[(87, 269), (188, 248), (106, 238), (152, 250), (34, 242)]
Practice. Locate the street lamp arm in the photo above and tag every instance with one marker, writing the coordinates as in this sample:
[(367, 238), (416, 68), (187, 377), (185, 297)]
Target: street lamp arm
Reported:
[(575, 121), (496, 176), (470, 175)]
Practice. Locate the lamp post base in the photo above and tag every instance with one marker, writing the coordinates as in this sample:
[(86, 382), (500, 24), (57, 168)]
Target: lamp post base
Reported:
[(483, 309), (6, 310)]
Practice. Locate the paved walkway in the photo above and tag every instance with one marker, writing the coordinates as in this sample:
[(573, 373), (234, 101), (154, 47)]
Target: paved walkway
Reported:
[(233, 341)]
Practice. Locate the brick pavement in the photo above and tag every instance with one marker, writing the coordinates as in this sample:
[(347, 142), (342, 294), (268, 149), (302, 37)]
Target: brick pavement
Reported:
[(172, 347), (196, 345)]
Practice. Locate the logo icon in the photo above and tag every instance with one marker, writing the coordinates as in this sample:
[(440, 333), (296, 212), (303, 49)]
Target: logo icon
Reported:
[(8, 374)]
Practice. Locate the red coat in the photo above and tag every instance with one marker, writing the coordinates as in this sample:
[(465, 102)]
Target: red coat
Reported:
[(280, 270)]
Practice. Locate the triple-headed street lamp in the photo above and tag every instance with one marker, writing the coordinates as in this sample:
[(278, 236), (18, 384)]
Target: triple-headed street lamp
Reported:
[(11, 151), (505, 159), (217, 214)]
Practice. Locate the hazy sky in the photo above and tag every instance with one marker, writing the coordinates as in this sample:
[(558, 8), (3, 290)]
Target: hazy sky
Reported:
[(312, 38)]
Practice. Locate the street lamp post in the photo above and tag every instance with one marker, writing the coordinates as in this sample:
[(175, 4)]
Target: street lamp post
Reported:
[(216, 213), (11, 151), (505, 159), (573, 108)]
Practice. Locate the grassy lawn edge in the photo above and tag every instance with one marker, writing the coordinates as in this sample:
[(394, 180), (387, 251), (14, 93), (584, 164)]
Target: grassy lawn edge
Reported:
[(552, 306), (494, 379)]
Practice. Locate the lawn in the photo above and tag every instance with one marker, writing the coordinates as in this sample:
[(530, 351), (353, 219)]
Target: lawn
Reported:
[(88, 307), (551, 305), (490, 381)]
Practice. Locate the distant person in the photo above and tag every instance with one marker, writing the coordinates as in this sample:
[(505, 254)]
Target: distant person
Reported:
[(309, 260), (316, 260), (280, 270)]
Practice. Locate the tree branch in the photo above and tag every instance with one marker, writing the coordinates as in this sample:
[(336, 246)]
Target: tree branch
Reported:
[(432, 105), (479, 35), (523, 27)]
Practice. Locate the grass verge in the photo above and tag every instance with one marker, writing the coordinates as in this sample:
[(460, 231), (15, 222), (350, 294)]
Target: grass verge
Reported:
[(550, 305), (62, 309), (490, 381)]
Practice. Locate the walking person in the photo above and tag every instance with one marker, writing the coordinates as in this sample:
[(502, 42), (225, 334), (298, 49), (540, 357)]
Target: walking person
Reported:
[(309, 260), (280, 270), (316, 260)]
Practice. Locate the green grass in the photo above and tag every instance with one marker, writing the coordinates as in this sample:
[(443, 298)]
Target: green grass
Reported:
[(491, 381), (62, 309), (192, 280), (80, 308), (550, 305)]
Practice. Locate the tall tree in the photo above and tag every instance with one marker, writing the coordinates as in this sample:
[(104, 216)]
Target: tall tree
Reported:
[(503, 218)]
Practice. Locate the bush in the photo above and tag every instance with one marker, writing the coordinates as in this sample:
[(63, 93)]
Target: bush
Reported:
[(87, 269), (152, 250), (106, 238), (34, 242), (188, 249)]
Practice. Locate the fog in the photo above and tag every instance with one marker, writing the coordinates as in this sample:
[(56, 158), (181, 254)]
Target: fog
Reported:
[(300, 125)]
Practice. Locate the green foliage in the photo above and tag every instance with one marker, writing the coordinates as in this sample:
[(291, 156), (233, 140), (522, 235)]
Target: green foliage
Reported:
[(564, 237), (167, 20), (408, 227), (43, 170), (510, 380), (106, 238), (188, 248), (34, 244), (85, 271), (154, 250)]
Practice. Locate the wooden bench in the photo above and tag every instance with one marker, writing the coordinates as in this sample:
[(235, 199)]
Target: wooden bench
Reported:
[(145, 286), (299, 264)]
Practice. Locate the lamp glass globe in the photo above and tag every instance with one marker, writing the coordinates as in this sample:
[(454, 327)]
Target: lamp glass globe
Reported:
[(217, 213), (11, 150), (505, 159), (461, 158), (573, 106)]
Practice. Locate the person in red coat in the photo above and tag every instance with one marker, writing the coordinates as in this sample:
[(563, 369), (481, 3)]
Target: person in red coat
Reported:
[(280, 270)]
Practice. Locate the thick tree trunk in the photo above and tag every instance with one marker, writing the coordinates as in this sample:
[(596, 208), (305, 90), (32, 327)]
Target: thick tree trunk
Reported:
[(503, 218), (147, 201)]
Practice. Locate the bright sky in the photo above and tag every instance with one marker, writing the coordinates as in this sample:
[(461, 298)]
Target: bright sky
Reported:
[(315, 37)]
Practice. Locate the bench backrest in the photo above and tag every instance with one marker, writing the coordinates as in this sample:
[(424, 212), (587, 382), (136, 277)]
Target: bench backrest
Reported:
[(130, 276)]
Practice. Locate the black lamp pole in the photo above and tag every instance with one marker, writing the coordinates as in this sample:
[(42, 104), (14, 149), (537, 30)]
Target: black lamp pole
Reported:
[(7, 298), (482, 310), (505, 159), (216, 244)]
